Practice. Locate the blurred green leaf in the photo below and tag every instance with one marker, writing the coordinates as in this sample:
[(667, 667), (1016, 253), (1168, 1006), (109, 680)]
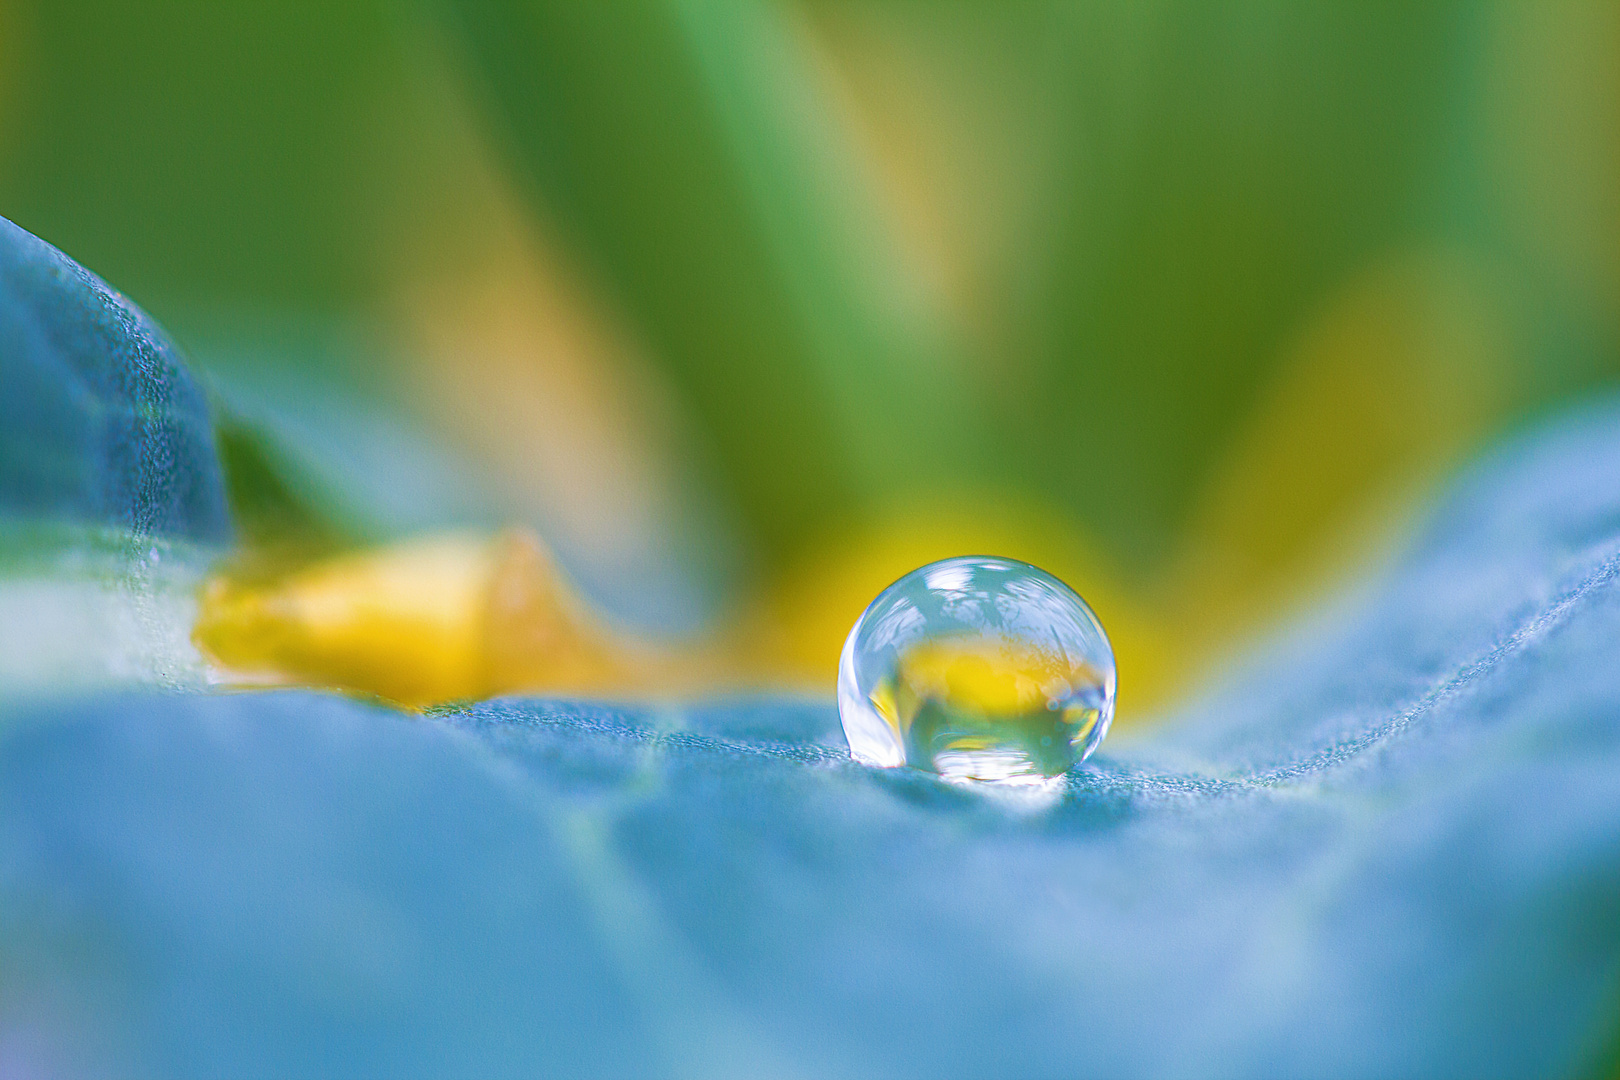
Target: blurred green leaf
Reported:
[(1226, 167), (688, 150), (190, 149)]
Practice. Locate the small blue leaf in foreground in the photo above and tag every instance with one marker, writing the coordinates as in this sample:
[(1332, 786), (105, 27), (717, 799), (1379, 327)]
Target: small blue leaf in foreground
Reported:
[(100, 423)]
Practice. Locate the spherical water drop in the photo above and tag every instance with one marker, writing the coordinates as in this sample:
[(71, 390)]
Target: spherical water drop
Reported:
[(977, 668)]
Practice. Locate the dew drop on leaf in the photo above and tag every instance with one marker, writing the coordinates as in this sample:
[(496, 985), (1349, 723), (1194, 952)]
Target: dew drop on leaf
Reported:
[(978, 669)]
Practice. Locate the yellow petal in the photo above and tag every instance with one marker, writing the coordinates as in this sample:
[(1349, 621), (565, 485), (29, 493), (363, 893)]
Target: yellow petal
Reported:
[(419, 622)]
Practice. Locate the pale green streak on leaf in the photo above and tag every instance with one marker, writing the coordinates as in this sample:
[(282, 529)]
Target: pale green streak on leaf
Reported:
[(688, 154), (884, 357)]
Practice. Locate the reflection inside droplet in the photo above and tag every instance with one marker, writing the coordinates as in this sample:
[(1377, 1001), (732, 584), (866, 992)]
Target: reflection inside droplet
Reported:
[(979, 669)]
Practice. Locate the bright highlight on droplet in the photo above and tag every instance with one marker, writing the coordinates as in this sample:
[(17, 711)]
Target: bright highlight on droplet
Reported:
[(977, 668)]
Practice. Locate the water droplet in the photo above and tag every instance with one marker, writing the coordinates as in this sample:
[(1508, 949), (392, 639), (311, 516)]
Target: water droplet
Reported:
[(978, 669)]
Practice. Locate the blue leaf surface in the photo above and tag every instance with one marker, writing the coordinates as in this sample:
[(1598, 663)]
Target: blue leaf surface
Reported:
[(100, 422), (1390, 845)]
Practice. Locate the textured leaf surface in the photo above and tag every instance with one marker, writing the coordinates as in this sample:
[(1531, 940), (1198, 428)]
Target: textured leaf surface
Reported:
[(1391, 845), (99, 420), (111, 494)]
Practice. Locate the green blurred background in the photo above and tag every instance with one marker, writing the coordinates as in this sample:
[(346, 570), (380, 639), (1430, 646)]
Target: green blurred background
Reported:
[(751, 307)]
